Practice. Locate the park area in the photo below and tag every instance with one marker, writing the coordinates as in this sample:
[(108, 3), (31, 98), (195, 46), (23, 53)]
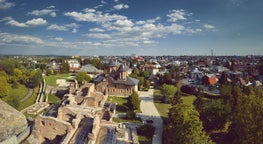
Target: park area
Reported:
[(51, 79), (163, 108)]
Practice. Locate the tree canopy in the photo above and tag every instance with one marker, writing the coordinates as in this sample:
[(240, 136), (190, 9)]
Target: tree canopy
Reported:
[(168, 91), (82, 76), (184, 126), (134, 101)]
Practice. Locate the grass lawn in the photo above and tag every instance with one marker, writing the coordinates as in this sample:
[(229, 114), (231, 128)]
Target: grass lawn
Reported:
[(120, 120), (51, 79), (19, 92), (144, 140), (121, 103), (162, 108), (30, 100), (189, 100), (53, 99)]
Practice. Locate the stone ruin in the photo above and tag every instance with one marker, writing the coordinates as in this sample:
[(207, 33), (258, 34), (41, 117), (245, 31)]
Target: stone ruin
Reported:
[(82, 107), (83, 116)]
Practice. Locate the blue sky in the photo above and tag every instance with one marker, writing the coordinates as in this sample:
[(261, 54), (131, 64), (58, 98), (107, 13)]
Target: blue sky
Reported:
[(123, 27)]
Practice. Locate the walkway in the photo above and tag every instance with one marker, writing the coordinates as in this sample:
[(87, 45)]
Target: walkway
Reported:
[(27, 96), (149, 112)]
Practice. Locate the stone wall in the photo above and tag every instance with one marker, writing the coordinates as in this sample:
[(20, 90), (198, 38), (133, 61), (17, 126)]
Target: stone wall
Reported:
[(12, 122), (51, 128)]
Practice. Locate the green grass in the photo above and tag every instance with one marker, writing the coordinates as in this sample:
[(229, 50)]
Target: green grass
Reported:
[(162, 108), (53, 99), (144, 140), (51, 79), (121, 103), (120, 120), (30, 100), (189, 100), (20, 92)]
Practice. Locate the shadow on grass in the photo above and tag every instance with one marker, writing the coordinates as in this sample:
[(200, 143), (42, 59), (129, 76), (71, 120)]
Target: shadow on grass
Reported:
[(121, 108), (158, 99)]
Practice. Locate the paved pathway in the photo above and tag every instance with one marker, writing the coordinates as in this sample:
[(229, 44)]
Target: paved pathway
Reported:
[(27, 96), (149, 111)]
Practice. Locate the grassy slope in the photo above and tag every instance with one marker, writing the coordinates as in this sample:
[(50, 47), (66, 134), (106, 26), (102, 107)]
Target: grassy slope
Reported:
[(30, 100), (53, 99), (19, 92)]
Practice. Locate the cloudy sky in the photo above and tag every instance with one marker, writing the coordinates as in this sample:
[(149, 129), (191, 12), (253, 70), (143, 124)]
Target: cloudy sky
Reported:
[(123, 27)]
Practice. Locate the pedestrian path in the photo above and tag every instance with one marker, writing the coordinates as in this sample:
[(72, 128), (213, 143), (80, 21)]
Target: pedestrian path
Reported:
[(27, 96), (149, 112)]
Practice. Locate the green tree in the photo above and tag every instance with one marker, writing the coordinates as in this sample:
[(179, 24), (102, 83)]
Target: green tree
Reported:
[(35, 78), (168, 92), (136, 71), (134, 101), (145, 74), (82, 76), (215, 115), (141, 82), (146, 84), (64, 67), (184, 126), (247, 122), (4, 87), (146, 130)]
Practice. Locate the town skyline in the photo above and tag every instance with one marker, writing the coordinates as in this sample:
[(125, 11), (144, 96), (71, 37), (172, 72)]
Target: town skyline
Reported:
[(116, 27)]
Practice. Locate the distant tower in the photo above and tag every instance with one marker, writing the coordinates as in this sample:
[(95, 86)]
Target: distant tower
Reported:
[(212, 52)]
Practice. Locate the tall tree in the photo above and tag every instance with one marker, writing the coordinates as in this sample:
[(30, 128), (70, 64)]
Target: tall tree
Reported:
[(184, 126), (4, 87), (134, 101), (35, 78), (215, 115), (168, 92), (64, 67), (247, 122)]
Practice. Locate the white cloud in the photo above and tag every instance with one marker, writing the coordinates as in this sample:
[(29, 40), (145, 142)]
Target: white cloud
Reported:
[(123, 23), (29, 23), (53, 14), (58, 38), (36, 22), (16, 23), (74, 30), (51, 7), (4, 4), (14, 38), (64, 27), (57, 28), (176, 15), (90, 16), (120, 6), (48, 11), (88, 10), (98, 35), (96, 30), (209, 27)]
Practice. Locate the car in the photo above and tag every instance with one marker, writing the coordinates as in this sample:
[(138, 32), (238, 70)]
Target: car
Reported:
[(149, 121)]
